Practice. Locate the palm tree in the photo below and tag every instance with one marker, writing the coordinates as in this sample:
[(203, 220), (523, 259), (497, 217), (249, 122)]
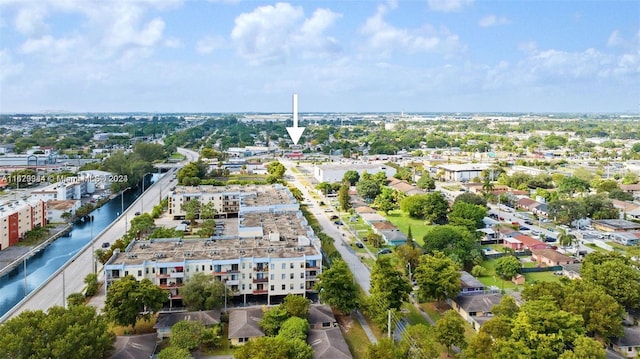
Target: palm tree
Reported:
[(565, 239)]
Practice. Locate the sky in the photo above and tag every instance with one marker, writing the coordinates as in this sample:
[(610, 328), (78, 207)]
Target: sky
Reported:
[(338, 56)]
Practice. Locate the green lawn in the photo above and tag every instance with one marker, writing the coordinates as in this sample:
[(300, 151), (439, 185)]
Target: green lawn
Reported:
[(491, 279), (355, 337), (541, 277), (413, 315), (403, 221)]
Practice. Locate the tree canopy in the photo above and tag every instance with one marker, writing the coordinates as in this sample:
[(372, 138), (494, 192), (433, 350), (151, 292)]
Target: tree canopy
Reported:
[(437, 277), (129, 300), (203, 292), (76, 332), (337, 287)]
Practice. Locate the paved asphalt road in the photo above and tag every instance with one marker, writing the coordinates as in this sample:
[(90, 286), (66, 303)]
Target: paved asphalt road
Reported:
[(359, 269)]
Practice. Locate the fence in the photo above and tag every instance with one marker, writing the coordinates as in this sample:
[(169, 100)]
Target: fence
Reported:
[(541, 269)]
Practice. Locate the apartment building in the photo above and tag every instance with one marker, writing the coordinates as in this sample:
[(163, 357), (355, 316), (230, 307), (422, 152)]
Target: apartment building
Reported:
[(18, 218), (228, 200), (265, 250)]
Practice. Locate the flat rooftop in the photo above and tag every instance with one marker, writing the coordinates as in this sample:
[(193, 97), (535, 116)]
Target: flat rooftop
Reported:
[(250, 195), (167, 250)]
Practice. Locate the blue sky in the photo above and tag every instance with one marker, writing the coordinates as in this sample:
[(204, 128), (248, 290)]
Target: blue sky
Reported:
[(350, 55)]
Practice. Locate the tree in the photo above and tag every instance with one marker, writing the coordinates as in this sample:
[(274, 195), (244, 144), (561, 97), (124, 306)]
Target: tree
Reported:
[(129, 300), (508, 308), (507, 267), (351, 176), (368, 189), (343, 197), (601, 313), (274, 348), (91, 280), (471, 198), (388, 200), (203, 292), (467, 215), (422, 336), (389, 289), (450, 330), (325, 187), (572, 184), (174, 353), (374, 238), (385, 348), (480, 347), (426, 182), (565, 239), (409, 254), (456, 242), (615, 274), (76, 332), (75, 299), (432, 207), (208, 211), (437, 277), (337, 287), (272, 320), (187, 334), (276, 169), (296, 306), (585, 348), (294, 328), (141, 225), (192, 210)]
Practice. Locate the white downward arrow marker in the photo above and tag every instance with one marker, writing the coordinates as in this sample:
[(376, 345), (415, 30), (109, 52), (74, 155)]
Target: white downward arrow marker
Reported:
[(295, 132)]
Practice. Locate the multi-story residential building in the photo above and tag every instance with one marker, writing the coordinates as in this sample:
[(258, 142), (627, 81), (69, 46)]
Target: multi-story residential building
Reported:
[(19, 217), (61, 191), (268, 250)]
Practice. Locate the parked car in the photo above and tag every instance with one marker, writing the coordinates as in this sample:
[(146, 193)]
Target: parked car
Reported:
[(359, 245), (338, 223), (334, 217), (523, 228), (137, 213), (549, 239), (384, 251), (106, 245), (528, 222)]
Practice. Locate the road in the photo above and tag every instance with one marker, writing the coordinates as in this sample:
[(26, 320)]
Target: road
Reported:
[(70, 278), (338, 233)]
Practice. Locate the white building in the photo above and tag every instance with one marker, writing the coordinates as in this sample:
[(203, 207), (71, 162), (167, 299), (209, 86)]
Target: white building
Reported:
[(56, 209), (462, 172), (267, 250), (335, 172)]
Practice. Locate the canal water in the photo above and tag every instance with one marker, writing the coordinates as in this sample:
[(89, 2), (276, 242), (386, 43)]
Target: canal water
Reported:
[(43, 264)]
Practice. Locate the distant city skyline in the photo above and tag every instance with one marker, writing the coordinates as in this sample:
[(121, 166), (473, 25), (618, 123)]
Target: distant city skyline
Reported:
[(227, 56)]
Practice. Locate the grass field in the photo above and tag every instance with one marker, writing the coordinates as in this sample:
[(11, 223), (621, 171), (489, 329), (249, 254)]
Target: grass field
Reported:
[(541, 277), (355, 336), (403, 221), (491, 279)]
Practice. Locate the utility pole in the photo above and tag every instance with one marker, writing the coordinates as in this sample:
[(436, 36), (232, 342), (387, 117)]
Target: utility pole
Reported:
[(389, 324)]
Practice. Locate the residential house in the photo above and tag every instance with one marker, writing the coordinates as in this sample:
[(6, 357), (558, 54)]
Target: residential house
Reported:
[(542, 210), (550, 257), (243, 325), (530, 243), (527, 204), (324, 334), (629, 344), (475, 309), (634, 189), (371, 218), (626, 238), (572, 270), (364, 209), (166, 320), (470, 284), (404, 187), (615, 225), (462, 172), (624, 207), (512, 243)]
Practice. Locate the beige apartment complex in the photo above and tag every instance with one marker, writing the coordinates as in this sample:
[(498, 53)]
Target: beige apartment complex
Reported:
[(264, 248)]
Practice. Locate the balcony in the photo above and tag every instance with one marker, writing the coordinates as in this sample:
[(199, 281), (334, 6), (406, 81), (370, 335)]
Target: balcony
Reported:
[(177, 275), (232, 282), (260, 291), (260, 269), (163, 275), (311, 277), (260, 280)]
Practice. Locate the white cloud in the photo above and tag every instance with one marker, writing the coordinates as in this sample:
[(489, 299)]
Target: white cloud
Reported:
[(209, 44), (615, 39), (30, 19), (53, 46), (9, 68), (272, 33), (448, 5), (173, 42), (492, 20), (384, 38)]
